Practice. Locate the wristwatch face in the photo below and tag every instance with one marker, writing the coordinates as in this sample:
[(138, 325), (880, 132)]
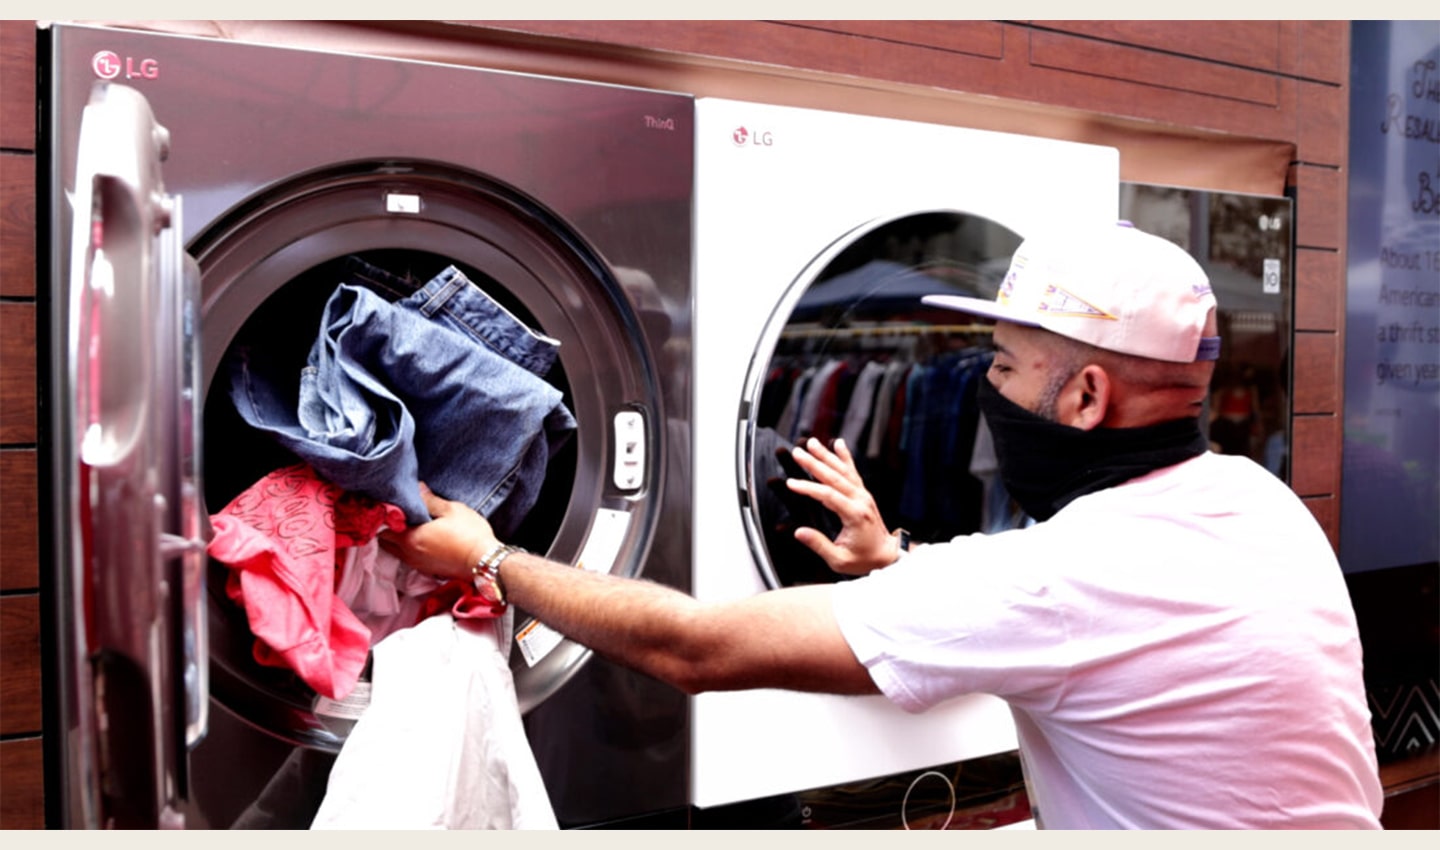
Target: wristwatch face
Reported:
[(487, 584)]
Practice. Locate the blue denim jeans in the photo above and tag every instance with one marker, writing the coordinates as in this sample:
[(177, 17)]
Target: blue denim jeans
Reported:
[(444, 385)]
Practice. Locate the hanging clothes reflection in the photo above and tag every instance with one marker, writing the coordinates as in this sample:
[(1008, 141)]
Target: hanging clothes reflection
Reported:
[(903, 399)]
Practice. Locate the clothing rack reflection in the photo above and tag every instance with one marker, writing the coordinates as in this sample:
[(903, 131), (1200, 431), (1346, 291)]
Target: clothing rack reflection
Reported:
[(902, 395)]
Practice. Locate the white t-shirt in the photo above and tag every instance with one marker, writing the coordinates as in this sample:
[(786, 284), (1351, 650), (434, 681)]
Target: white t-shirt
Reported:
[(1179, 651)]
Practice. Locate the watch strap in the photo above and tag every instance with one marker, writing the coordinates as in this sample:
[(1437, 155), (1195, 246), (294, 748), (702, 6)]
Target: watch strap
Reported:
[(486, 573)]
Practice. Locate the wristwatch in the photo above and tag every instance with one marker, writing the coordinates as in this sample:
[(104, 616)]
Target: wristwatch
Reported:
[(902, 537), (486, 574)]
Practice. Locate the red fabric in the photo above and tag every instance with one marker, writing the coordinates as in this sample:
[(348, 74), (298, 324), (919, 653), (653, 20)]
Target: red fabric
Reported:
[(281, 538), (1236, 402), (461, 599), (284, 540), (827, 415)]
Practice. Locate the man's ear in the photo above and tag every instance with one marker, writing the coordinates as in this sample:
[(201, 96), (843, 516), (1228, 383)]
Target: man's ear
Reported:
[(1085, 402)]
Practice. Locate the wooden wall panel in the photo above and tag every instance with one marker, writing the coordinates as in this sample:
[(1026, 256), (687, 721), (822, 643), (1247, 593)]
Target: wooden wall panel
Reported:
[(1316, 452), (1317, 372), (1412, 797), (1244, 44), (17, 374), (1114, 79), (19, 521), (1316, 50), (21, 753), (1320, 208), (1326, 510), (20, 664), (778, 43), (17, 85), (17, 224), (1319, 290), (951, 51), (1152, 68), (1119, 80), (978, 38), (22, 800), (1320, 109)]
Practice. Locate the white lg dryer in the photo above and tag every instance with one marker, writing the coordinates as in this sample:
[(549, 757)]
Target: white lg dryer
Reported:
[(817, 233)]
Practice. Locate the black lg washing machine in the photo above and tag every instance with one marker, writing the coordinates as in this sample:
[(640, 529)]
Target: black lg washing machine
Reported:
[(221, 185)]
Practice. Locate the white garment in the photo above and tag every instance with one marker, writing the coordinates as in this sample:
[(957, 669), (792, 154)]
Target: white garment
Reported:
[(384, 593), (814, 394), (1179, 651), (862, 401), (884, 400), (441, 745)]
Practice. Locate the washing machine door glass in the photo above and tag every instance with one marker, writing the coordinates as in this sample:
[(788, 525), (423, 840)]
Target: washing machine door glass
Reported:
[(851, 352)]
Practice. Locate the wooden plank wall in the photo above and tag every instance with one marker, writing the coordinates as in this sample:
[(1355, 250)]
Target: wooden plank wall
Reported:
[(21, 765), (1283, 82)]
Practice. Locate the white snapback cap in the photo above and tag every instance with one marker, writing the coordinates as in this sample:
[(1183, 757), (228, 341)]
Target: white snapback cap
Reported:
[(1113, 286)]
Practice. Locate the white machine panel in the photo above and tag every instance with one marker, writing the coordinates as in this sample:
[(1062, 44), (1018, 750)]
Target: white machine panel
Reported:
[(776, 187)]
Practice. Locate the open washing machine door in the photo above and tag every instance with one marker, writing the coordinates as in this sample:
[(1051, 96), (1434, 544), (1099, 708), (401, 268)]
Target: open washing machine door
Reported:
[(134, 652)]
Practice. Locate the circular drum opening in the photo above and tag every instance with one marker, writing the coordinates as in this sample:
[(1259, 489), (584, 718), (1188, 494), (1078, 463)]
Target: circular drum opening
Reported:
[(268, 270), (286, 324), (850, 351)]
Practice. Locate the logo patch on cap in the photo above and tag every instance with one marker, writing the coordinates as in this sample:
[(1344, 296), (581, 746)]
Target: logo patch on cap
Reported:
[(1057, 301), (1007, 286)]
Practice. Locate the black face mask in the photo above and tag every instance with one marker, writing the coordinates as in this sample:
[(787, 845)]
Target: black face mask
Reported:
[(1046, 465)]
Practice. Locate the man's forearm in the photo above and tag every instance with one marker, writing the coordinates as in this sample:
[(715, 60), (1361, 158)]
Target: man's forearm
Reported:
[(779, 639), (638, 623), (783, 638)]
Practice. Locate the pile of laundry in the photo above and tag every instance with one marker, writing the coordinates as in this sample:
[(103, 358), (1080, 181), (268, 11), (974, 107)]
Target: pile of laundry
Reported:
[(444, 385)]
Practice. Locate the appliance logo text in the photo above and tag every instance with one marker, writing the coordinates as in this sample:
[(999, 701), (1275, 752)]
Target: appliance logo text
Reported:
[(742, 137), (108, 65), (654, 123)]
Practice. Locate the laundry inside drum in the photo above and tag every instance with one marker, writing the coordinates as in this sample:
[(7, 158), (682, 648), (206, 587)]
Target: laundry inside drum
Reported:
[(276, 339)]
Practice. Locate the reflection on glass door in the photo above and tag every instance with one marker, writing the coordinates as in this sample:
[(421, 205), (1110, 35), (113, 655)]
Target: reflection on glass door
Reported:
[(853, 354), (1244, 243)]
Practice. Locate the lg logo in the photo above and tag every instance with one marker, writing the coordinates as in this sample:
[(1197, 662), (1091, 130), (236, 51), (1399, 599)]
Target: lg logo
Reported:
[(108, 65), (742, 137)]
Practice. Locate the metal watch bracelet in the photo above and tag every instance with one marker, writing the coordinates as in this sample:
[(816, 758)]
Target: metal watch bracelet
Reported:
[(487, 572)]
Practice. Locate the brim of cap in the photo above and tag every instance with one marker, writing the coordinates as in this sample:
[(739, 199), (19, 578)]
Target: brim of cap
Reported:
[(978, 307)]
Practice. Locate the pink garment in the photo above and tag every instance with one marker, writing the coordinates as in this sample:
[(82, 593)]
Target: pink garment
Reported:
[(283, 539), (302, 552)]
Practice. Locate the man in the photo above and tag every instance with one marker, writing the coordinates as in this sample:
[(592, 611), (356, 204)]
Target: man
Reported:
[(1173, 635)]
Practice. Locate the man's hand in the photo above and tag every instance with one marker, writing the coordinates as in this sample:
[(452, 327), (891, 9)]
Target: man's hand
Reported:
[(863, 543), (447, 546)]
